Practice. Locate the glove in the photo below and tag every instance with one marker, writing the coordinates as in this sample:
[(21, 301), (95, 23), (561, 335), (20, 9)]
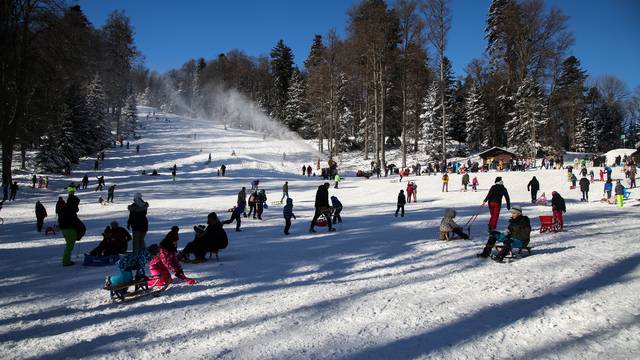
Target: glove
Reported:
[(190, 281)]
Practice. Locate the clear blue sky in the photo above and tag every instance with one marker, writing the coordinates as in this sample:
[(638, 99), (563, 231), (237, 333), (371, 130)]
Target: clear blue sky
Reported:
[(169, 33)]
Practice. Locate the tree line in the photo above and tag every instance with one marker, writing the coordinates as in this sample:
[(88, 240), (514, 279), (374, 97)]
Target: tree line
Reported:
[(389, 83), (67, 87)]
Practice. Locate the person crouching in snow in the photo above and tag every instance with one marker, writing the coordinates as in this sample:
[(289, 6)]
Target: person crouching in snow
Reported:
[(287, 212), (448, 225), (337, 209), (518, 234), (166, 262)]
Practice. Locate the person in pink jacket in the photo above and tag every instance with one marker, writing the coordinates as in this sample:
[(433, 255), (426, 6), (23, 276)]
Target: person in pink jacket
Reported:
[(166, 262)]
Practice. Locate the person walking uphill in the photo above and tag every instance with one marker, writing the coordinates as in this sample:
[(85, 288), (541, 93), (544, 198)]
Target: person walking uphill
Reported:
[(322, 207), (41, 213), (558, 207), (285, 191), (533, 186), (287, 212), (494, 198), (72, 228), (401, 201), (138, 222), (584, 188)]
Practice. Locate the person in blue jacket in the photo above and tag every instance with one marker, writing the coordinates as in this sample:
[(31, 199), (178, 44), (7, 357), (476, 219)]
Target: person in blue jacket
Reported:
[(287, 212)]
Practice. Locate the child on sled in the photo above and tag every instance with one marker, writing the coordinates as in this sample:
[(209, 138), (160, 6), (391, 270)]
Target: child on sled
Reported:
[(166, 262), (130, 262)]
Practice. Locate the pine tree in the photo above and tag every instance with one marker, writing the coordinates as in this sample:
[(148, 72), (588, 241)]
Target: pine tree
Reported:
[(476, 115), (97, 114), (457, 127), (295, 110), (567, 103), (282, 70), (130, 116), (585, 129), (432, 125), (144, 98), (527, 119), (345, 123)]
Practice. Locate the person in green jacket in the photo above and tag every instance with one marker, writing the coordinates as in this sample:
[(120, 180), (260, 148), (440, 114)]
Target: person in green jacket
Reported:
[(337, 180)]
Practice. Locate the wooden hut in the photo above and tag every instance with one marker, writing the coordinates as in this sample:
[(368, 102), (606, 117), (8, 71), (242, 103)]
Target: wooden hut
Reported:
[(636, 156), (497, 155)]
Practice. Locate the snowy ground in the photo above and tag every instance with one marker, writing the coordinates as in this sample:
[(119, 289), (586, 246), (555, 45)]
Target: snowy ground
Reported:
[(379, 287)]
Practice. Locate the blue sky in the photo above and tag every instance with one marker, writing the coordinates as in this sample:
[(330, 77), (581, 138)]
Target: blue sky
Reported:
[(169, 33)]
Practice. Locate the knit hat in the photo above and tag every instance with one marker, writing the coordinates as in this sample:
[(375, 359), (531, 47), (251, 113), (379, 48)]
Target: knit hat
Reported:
[(517, 209), (114, 224), (498, 179)]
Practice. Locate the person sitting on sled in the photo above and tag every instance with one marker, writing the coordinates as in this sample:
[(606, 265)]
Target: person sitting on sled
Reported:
[(130, 262), (518, 234), (449, 225), (115, 241), (166, 262), (209, 239)]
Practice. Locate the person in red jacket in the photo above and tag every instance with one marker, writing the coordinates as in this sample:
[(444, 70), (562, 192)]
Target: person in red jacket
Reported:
[(409, 191), (494, 198), (166, 262)]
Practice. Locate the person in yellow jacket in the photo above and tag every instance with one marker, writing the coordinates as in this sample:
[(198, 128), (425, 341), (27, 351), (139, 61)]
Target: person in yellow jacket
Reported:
[(445, 183)]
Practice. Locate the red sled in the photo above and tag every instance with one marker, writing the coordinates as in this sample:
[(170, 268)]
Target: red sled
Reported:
[(549, 223), (322, 221)]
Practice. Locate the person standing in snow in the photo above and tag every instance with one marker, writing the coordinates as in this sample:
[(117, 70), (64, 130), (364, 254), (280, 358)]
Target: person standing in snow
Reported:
[(309, 170), (138, 222), (85, 181), (138, 150), (337, 180), (322, 207), (304, 170), (285, 191), (242, 198), (494, 198), (558, 207), (415, 191), (337, 209), (474, 183), (260, 200), (110, 192), (533, 186), (287, 212), (34, 180), (584, 188), (409, 191), (41, 213), (465, 181), (401, 201), (173, 174), (252, 203), (100, 183), (72, 228), (223, 169), (620, 193), (14, 191), (445, 182)]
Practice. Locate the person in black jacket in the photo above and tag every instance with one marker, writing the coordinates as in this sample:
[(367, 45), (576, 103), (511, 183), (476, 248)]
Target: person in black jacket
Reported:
[(401, 201), (41, 213), (519, 229), (558, 207), (210, 239), (494, 198), (322, 207), (72, 228), (138, 222), (533, 186), (584, 188)]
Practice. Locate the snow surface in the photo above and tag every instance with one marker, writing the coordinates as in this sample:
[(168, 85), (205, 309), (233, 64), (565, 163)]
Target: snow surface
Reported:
[(379, 287)]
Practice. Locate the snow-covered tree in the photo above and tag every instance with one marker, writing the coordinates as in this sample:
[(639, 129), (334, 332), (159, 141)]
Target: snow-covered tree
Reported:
[(295, 109), (527, 119), (432, 123), (129, 116), (584, 132), (476, 114), (97, 114), (144, 98), (345, 122)]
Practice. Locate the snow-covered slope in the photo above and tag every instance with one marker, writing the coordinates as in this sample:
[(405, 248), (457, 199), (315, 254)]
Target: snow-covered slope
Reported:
[(379, 287)]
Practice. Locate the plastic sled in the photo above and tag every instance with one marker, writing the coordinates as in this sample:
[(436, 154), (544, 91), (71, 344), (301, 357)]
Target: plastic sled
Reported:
[(322, 221), (103, 260), (549, 223)]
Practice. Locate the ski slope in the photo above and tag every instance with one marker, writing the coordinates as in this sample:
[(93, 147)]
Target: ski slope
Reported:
[(378, 287)]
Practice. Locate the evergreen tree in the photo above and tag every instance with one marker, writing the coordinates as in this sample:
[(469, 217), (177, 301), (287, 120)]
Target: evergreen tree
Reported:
[(476, 115), (432, 125), (97, 114), (456, 130), (295, 110), (567, 103), (584, 132), (527, 119), (144, 98), (282, 71), (130, 116)]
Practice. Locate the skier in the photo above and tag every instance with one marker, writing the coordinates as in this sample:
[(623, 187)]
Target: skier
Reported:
[(14, 191), (85, 181), (409, 191), (401, 201), (533, 186), (72, 228), (445, 182), (285, 191), (519, 229), (34, 180), (584, 188), (558, 207), (322, 207), (337, 209), (166, 262), (138, 222), (448, 225), (41, 213), (287, 212), (494, 198), (465, 181)]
